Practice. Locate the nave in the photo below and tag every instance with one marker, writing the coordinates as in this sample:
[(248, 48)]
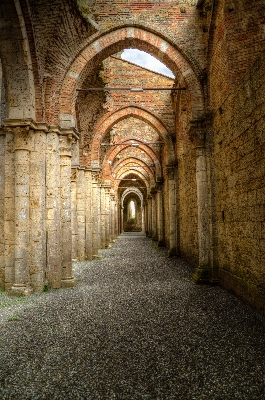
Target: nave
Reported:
[(134, 327)]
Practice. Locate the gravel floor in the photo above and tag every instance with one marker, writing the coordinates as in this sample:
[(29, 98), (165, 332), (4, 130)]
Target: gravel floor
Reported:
[(134, 327)]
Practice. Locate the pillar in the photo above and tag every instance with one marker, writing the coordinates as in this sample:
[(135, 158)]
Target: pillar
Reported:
[(160, 217), (170, 173), (112, 216), (53, 204), (67, 279), (2, 209), (116, 217), (154, 222), (95, 214), (203, 271), (9, 209), (149, 209), (81, 216), (107, 215), (21, 285), (102, 218), (37, 208), (89, 216), (74, 214), (121, 219)]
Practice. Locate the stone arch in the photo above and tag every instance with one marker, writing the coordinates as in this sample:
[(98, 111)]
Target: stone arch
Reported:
[(132, 190), (148, 150), (114, 117), (17, 66), (116, 40)]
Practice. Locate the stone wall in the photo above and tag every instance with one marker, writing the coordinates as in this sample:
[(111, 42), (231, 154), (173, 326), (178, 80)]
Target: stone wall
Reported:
[(187, 202), (239, 161)]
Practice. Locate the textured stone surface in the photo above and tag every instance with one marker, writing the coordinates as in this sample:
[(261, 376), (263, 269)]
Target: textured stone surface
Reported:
[(134, 327)]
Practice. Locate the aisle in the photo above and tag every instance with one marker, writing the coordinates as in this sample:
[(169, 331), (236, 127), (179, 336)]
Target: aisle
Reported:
[(135, 327)]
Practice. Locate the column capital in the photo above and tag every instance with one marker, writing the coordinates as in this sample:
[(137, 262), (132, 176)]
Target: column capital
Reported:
[(170, 170), (65, 146), (153, 190), (95, 174), (198, 129), (159, 187)]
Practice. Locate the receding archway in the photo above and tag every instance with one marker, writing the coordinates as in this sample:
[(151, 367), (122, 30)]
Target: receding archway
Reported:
[(117, 40)]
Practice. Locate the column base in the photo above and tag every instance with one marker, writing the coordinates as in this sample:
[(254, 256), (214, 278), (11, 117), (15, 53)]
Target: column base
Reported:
[(202, 276), (68, 282), (171, 252), (20, 290)]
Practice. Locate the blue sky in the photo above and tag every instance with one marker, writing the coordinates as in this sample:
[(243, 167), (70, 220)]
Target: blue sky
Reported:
[(146, 60)]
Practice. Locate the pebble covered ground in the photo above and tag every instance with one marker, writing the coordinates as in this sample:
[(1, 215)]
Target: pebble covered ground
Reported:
[(135, 327)]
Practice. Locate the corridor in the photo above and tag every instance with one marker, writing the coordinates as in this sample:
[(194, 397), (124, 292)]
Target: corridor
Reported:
[(134, 327)]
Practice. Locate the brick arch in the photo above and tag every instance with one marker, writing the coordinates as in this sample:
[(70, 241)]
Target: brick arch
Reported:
[(145, 171), (139, 174), (135, 160), (116, 116), (118, 149), (117, 40)]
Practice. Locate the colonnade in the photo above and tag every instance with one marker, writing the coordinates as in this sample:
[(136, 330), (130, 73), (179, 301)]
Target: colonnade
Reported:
[(53, 210), (94, 214)]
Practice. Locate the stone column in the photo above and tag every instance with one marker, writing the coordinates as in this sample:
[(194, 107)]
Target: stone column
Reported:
[(2, 209), (21, 285), (149, 215), (65, 191), (74, 214), (154, 222), (116, 217), (112, 216), (203, 271), (121, 219), (145, 218), (53, 203), (107, 215), (81, 216), (37, 208), (95, 214), (170, 172), (160, 217), (89, 216), (102, 218), (9, 209)]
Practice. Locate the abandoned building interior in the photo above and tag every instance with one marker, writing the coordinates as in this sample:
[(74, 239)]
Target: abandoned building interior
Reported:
[(92, 145)]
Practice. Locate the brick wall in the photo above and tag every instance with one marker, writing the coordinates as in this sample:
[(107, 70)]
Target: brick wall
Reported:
[(238, 33), (240, 191)]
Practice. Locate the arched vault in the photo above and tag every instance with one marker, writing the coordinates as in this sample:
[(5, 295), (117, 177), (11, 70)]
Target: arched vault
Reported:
[(114, 117), (111, 42), (132, 190), (141, 146)]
